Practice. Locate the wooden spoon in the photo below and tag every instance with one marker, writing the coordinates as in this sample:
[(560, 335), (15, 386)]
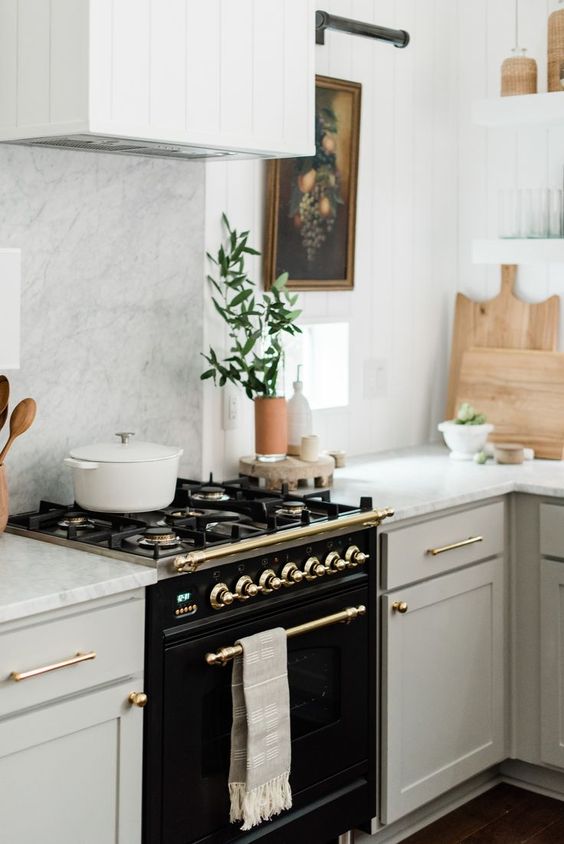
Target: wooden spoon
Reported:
[(21, 419), (4, 398)]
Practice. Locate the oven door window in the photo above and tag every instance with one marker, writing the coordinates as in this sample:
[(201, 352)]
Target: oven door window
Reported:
[(314, 677)]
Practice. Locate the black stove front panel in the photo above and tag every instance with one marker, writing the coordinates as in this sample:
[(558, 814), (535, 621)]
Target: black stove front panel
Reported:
[(191, 598)]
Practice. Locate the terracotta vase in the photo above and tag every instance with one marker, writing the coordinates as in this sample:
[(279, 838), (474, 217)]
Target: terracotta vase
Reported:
[(271, 428), (3, 499)]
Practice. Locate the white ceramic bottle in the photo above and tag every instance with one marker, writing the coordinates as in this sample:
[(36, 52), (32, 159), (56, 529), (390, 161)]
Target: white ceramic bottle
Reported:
[(299, 417)]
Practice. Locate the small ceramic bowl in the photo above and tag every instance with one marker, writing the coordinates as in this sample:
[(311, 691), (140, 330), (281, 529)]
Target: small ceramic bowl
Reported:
[(464, 440), (511, 453)]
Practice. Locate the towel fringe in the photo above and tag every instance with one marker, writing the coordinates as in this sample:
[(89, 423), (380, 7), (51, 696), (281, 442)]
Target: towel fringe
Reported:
[(260, 804)]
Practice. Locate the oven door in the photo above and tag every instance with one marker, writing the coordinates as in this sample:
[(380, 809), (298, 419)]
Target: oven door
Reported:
[(330, 701)]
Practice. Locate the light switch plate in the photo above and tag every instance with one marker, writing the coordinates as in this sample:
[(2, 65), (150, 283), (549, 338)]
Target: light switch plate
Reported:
[(231, 408)]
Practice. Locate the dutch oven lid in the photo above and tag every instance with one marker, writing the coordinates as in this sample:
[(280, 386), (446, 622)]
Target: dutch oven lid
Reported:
[(125, 451)]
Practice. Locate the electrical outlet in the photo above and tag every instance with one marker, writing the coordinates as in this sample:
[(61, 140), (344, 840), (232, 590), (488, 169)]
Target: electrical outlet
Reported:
[(375, 384), (231, 408)]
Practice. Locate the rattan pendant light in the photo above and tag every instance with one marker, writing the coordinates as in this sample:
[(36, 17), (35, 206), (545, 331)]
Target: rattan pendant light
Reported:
[(519, 74), (556, 49)]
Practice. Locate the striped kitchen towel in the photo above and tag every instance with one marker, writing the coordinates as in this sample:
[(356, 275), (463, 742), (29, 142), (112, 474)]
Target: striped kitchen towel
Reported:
[(259, 785)]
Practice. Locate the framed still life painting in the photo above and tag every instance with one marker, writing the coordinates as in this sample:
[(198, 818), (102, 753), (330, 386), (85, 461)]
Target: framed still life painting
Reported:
[(311, 210)]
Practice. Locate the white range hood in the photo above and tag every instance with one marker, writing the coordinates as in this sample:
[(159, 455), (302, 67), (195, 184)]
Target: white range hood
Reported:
[(166, 78)]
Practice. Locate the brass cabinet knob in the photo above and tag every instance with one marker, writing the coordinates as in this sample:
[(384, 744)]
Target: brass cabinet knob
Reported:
[(221, 596), (291, 574), (269, 581), (313, 569), (138, 699), (334, 563), (355, 557), (245, 588), (400, 606)]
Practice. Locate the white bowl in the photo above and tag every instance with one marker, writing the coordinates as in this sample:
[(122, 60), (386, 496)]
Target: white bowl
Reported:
[(464, 440)]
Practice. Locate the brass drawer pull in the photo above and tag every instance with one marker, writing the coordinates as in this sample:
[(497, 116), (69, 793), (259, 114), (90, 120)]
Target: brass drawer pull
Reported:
[(400, 606), (35, 672), (462, 544)]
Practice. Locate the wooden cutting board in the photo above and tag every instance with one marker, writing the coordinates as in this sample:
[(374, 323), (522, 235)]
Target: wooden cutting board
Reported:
[(505, 322), (522, 394)]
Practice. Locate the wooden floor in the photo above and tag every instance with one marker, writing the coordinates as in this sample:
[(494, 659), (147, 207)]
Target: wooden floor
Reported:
[(503, 815)]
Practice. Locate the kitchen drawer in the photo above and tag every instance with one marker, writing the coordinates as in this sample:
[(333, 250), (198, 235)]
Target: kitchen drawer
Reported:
[(115, 634), (406, 552), (552, 530)]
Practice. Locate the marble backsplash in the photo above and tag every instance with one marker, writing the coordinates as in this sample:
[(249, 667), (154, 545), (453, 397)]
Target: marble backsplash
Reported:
[(112, 263)]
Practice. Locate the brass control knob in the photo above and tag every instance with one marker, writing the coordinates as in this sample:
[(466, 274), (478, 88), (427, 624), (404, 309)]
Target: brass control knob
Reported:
[(245, 588), (221, 596), (313, 569), (269, 581), (400, 606), (137, 699), (355, 557), (291, 574), (334, 564)]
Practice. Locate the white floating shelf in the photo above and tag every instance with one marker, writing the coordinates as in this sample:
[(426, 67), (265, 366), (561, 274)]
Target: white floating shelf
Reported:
[(528, 110), (509, 251)]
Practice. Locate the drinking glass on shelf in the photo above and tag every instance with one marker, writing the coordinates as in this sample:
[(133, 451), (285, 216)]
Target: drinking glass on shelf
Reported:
[(555, 216), (509, 213), (534, 212)]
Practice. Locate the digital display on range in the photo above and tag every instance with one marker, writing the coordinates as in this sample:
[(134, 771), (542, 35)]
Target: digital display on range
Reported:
[(184, 604), (183, 597)]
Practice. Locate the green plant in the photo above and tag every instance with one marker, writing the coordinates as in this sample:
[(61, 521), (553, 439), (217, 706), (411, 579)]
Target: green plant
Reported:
[(468, 416), (256, 322)]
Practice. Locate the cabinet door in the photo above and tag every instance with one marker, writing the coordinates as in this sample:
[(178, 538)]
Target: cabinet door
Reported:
[(71, 772), (552, 662), (443, 685)]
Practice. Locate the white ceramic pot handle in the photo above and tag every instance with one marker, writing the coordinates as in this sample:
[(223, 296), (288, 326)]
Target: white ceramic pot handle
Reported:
[(80, 464)]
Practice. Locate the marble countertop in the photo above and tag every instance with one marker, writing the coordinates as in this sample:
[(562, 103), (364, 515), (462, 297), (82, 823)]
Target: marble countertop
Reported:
[(37, 576), (421, 480)]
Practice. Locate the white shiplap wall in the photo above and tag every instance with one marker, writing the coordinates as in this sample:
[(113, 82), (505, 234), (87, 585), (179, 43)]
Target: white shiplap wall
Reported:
[(407, 229)]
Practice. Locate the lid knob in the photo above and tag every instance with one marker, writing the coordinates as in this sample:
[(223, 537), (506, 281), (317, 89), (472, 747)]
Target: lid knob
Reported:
[(125, 435)]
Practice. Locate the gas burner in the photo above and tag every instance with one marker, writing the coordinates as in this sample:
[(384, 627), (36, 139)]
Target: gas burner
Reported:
[(163, 537), (204, 516), (292, 509), (78, 521), (231, 530), (210, 493), (186, 513)]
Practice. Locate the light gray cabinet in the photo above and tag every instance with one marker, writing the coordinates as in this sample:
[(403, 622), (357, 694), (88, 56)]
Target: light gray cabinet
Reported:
[(71, 771), (552, 662), (552, 634), (443, 682), (71, 741)]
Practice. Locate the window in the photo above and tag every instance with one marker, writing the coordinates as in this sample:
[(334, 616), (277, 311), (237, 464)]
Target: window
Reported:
[(322, 349)]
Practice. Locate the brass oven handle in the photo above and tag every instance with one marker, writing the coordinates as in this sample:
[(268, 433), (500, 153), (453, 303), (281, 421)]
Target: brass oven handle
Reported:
[(35, 672), (224, 655), (462, 544)]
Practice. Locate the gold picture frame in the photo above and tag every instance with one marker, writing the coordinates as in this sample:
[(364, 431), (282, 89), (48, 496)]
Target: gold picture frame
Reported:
[(311, 213)]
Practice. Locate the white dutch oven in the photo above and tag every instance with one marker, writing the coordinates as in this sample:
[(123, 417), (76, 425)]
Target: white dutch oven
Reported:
[(124, 477)]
